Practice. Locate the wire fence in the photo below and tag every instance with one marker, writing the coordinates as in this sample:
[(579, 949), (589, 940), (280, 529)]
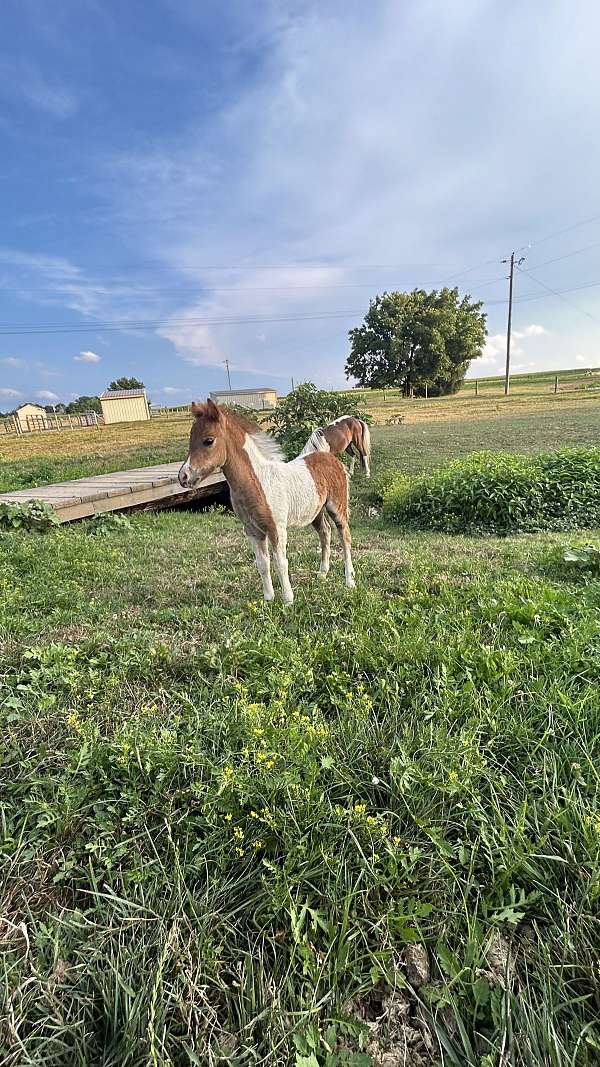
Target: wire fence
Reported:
[(15, 425)]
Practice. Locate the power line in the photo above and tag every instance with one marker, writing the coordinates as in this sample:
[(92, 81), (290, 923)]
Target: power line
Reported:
[(559, 233), (540, 296), (153, 324), (199, 289), (567, 255), (11, 329), (555, 292)]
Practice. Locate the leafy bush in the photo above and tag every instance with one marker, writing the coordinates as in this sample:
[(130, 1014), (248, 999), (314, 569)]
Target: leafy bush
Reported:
[(32, 515), (305, 408), (586, 558), (502, 493), (103, 525)]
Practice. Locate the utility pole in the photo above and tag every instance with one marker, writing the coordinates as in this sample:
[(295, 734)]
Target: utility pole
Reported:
[(226, 362), (508, 328)]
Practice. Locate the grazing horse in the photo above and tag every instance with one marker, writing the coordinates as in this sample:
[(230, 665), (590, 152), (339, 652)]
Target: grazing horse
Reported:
[(346, 434), (267, 494)]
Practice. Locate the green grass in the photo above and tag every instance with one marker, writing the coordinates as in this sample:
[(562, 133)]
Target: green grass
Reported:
[(46, 470), (222, 823)]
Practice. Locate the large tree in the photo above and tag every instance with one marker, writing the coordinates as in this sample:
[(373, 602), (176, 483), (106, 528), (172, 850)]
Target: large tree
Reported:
[(126, 383), (416, 339)]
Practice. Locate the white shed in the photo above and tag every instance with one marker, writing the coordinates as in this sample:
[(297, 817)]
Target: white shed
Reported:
[(32, 417), (258, 399), (124, 405)]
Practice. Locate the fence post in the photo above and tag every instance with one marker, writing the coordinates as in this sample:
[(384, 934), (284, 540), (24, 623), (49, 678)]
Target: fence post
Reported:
[(476, 387), (555, 384), (426, 393)]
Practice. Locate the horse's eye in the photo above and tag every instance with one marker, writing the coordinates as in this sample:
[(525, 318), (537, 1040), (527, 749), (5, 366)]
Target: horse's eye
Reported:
[(208, 441)]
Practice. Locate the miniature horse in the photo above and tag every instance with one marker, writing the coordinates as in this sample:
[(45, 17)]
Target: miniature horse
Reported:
[(267, 494), (346, 434)]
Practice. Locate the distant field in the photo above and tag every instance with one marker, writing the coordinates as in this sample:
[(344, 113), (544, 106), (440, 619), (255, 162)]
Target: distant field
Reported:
[(431, 431)]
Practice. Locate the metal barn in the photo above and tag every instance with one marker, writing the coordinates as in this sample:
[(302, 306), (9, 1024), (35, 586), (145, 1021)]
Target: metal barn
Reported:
[(124, 405), (258, 399)]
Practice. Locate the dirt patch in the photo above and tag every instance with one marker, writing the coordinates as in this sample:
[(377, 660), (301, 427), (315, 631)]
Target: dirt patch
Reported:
[(399, 1034), (500, 964)]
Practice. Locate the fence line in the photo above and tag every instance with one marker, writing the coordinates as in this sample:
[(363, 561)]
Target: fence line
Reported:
[(13, 426)]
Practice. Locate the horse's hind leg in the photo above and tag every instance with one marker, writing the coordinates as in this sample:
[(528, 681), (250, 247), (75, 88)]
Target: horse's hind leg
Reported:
[(323, 529), (339, 513), (263, 564)]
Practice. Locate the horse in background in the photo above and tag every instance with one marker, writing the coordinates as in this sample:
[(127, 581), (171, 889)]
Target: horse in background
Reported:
[(346, 434), (267, 494)]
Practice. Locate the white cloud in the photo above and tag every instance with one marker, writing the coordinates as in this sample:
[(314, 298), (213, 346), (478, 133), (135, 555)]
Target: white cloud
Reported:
[(172, 389), (45, 394), (10, 361), (581, 359), (87, 357), (533, 330), (10, 392), (494, 351)]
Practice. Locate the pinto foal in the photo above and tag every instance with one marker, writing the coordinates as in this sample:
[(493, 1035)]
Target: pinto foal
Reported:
[(267, 494), (346, 434)]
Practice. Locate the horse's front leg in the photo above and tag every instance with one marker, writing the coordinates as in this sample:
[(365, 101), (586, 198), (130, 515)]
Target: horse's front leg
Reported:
[(280, 554), (263, 563)]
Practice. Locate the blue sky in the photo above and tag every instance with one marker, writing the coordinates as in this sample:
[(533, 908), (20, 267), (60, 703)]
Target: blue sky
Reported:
[(235, 181)]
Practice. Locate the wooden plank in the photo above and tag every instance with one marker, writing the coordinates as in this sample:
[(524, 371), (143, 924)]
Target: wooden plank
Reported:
[(148, 495), (114, 491)]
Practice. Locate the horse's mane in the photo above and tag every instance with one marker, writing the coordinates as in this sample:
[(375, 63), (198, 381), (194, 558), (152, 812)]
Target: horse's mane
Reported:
[(317, 442), (263, 441)]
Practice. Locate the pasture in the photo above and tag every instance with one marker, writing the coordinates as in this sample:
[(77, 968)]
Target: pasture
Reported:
[(225, 824)]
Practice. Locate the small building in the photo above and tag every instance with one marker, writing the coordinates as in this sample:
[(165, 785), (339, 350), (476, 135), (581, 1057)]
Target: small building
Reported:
[(124, 405), (257, 399), (31, 417)]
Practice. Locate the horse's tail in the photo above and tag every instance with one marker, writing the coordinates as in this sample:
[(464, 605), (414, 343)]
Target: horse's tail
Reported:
[(365, 455), (317, 442)]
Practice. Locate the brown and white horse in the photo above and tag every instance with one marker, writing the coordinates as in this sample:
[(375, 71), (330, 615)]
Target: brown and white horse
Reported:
[(267, 494), (346, 434)]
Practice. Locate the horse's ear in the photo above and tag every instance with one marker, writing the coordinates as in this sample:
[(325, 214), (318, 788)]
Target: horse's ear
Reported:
[(212, 411), (197, 408)]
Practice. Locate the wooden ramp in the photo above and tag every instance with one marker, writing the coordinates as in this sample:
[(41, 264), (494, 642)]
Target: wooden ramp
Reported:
[(114, 492)]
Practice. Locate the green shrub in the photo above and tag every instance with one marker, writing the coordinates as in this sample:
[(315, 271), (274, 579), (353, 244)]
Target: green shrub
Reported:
[(306, 408), (500, 493), (104, 524), (32, 515), (586, 558)]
